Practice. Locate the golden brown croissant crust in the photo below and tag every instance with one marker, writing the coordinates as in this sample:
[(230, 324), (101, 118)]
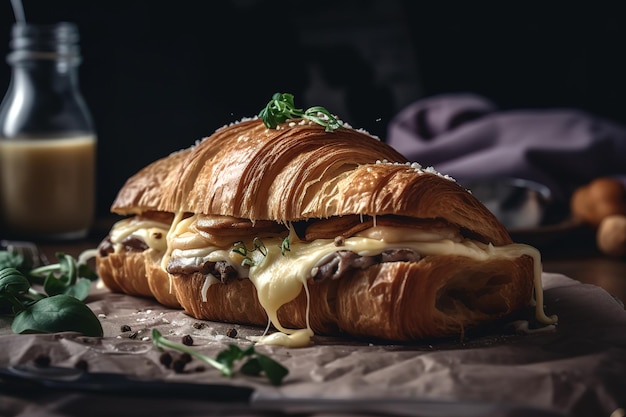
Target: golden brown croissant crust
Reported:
[(246, 178), (143, 192), (137, 273), (435, 297), (135, 268), (301, 172)]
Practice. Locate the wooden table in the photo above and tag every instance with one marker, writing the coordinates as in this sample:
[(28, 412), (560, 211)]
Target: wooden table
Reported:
[(577, 257), (608, 273)]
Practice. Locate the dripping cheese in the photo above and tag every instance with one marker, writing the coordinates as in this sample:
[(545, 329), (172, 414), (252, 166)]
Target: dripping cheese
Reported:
[(279, 276)]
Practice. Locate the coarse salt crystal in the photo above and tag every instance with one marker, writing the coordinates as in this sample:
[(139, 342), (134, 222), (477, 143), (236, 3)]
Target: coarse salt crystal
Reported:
[(418, 168)]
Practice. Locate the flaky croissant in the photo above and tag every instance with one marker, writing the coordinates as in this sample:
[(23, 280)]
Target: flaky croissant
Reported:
[(133, 264), (319, 232)]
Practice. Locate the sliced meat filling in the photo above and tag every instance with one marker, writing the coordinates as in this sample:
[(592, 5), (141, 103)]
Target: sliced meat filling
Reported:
[(130, 244), (340, 262), (333, 266), (221, 270)]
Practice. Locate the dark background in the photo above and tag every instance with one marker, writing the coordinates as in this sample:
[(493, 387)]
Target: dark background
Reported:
[(159, 75)]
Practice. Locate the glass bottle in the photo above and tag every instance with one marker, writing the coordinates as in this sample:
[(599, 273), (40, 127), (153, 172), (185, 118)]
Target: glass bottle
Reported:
[(47, 139)]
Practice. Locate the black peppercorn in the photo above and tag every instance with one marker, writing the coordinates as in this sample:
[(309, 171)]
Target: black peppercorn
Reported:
[(187, 340), (82, 365), (179, 366), (232, 332), (42, 361), (165, 359), (185, 357)]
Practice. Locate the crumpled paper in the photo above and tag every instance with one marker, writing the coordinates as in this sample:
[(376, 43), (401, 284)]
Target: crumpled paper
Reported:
[(576, 370)]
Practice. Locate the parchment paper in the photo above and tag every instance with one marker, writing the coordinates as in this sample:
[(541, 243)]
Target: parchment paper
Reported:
[(579, 369)]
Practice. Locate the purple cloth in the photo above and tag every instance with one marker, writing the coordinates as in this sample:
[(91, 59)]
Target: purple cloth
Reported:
[(467, 137)]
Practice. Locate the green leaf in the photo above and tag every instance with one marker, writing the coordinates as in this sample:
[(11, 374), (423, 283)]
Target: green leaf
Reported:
[(53, 285), (84, 271), (285, 246), (255, 365), (59, 307), (251, 367), (161, 342), (65, 271), (273, 370), (231, 354), (65, 277), (80, 290), (282, 108), (59, 313), (12, 260), (69, 270), (13, 282), (228, 356)]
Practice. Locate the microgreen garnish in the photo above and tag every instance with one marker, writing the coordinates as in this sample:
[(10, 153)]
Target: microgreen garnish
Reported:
[(282, 108), (258, 245), (285, 246), (255, 364), (58, 306), (240, 248)]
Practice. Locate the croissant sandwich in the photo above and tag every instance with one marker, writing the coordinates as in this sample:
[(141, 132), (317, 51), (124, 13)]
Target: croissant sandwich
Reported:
[(315, 228)]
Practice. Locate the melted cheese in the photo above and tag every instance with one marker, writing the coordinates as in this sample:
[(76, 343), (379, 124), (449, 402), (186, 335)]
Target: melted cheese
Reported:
[(208, 281), (174, 227), (296, 338), (152, 232), (279, 277)]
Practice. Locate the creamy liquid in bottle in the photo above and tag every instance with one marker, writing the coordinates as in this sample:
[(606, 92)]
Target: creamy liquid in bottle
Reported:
[(47, 186), (47, 139)]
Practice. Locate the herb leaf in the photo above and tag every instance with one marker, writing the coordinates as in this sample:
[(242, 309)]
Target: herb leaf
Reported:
[(12, 260), (252, 367), (282, 108), (262, 364), (255, 363), (12, 285), (12, 282), (65, 277), (59, 307), (240, 248), (285, 246), (274, 371), (161, 342), (58, 313)]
